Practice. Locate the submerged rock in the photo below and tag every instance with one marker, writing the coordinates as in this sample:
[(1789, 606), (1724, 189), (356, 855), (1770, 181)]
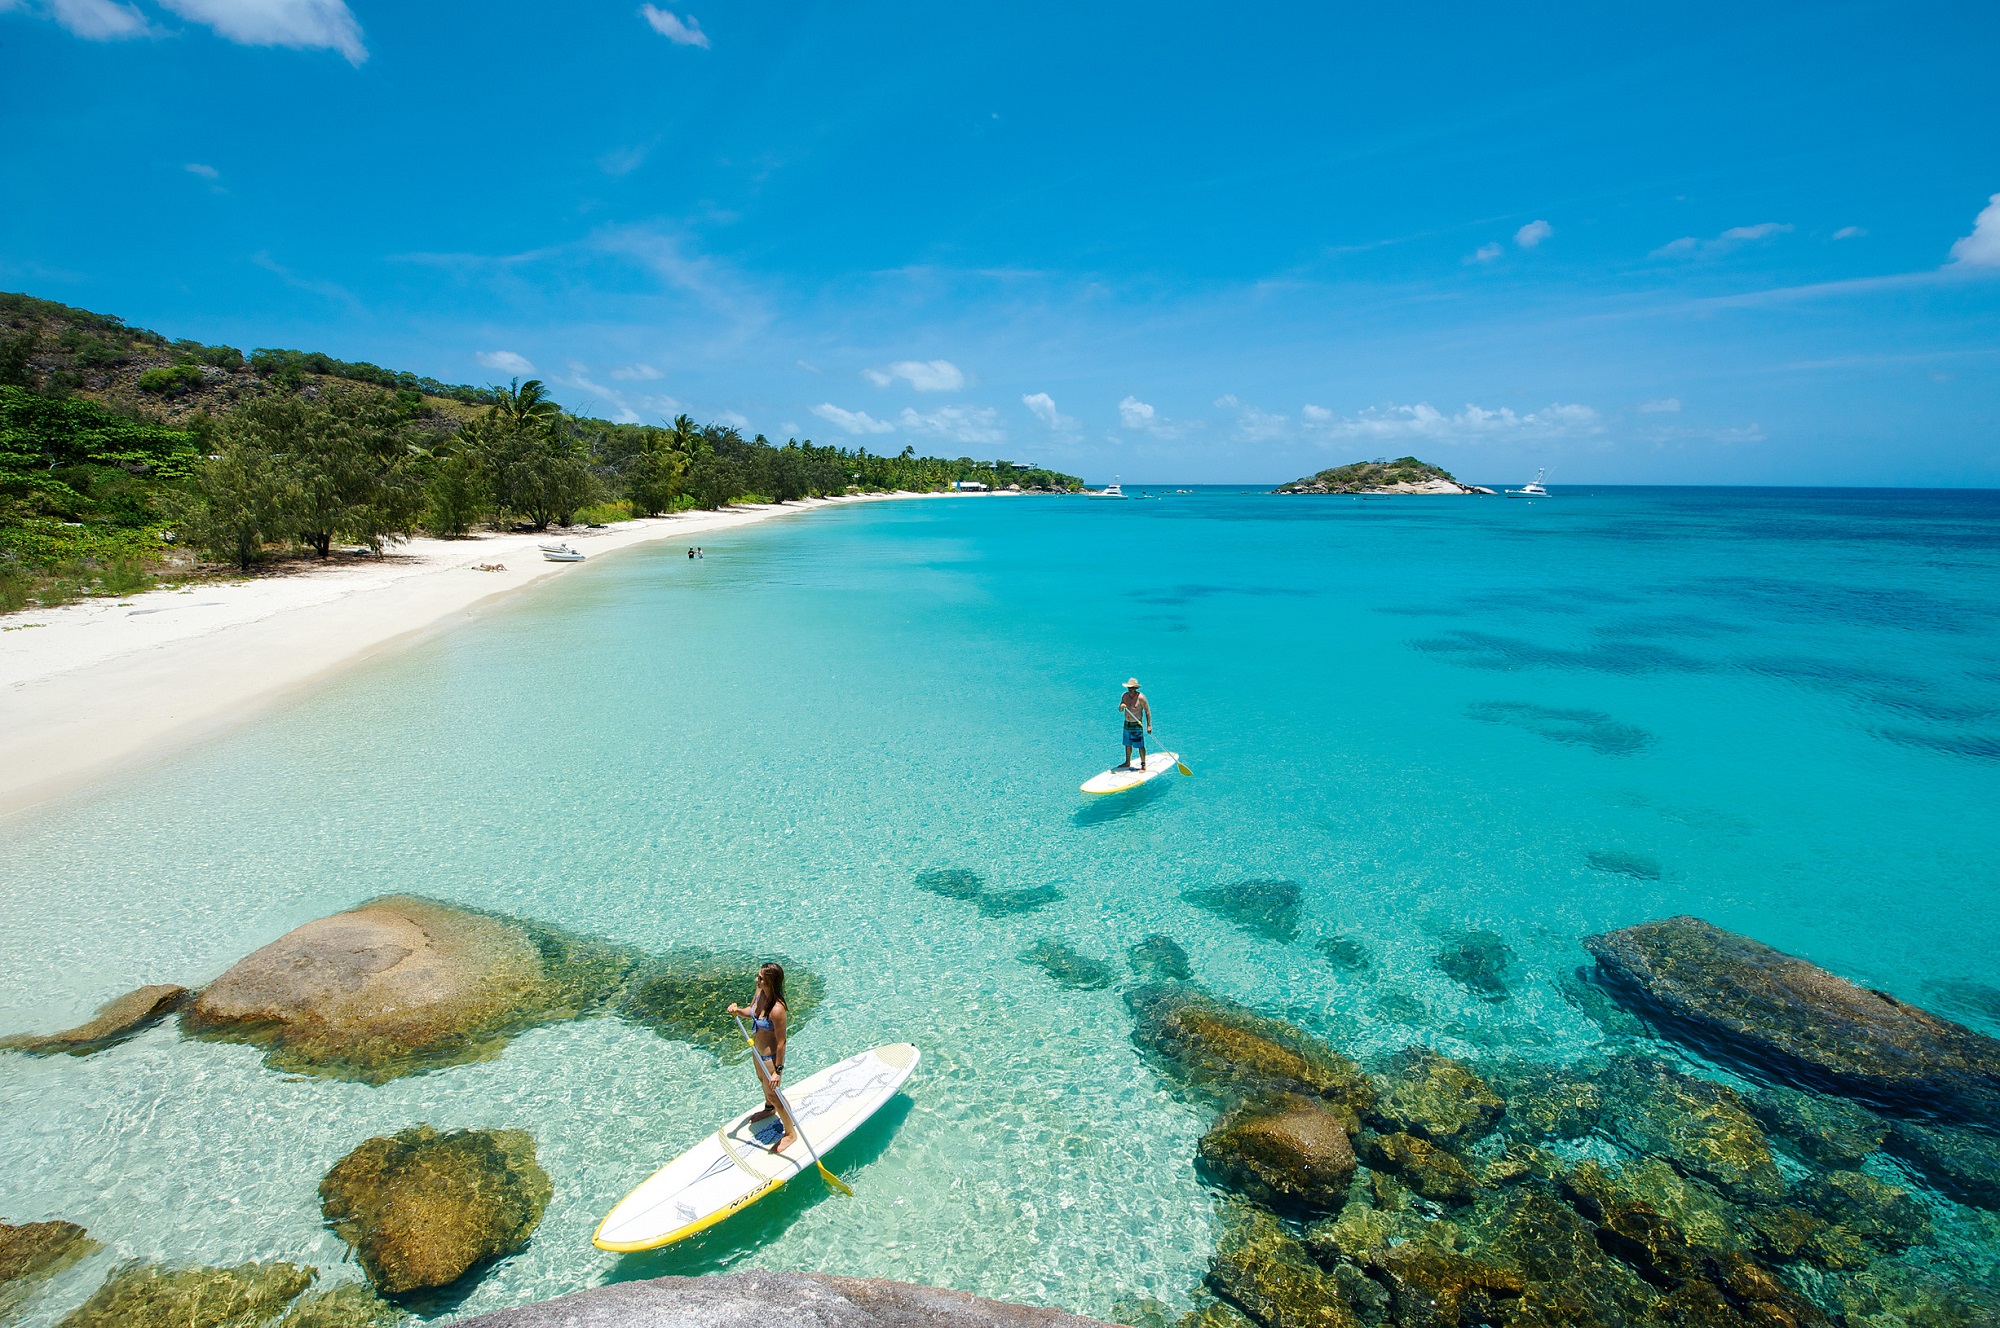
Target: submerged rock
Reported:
[(775, 1300), (1438, 1098), (1014, 903), (1069, 968), (31, 1253), (1215, 1314), (1617, 862), (1963, 1164), (149, 1296), (1344, 953), (421, 1208), (1160, 958), (349, 1305), (952, 883), (1287, 1151), (1431, 1171), (1228, 1051), (402, 985), (1266, 909), (1884, 1215), (1894, 1295), (1782, 1017), (1549, 1101), (1477, 961), (1431, 1286), (1566, 1280), (1701, 1127), (1264, 1270), (114, 1021), (681, 996), (1825, 1131)]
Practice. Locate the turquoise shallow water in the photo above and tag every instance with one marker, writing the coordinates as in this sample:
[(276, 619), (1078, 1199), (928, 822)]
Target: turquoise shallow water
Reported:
[(1779, 710)]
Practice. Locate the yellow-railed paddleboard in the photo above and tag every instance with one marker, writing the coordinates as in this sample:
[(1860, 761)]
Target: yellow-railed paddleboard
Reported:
[(735, 1167), (1118, 779)]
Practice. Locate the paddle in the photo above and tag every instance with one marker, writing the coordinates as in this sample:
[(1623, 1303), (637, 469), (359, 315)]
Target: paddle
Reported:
[(833, 1182)]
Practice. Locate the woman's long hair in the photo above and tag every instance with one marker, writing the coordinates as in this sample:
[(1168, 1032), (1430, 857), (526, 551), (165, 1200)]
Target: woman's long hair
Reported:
[(770, 989)]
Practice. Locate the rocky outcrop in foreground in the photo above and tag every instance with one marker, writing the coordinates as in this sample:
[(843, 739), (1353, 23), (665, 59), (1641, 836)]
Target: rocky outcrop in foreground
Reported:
[(114, 1021), (775, 1300), (1783, 1018), (422, 1208), (401, 985)]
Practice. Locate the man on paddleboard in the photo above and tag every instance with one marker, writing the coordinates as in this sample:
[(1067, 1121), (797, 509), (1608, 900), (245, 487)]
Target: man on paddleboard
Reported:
[(1138, 717)]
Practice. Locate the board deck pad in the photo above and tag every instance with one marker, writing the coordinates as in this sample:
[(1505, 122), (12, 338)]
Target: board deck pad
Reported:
[(1117, 781), (734, 1167)]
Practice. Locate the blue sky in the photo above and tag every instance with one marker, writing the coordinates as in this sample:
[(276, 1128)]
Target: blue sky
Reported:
[(1711, 244)]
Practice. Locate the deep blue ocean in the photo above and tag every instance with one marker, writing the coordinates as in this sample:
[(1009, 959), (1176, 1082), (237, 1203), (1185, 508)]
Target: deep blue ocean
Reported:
[(1778, 710)]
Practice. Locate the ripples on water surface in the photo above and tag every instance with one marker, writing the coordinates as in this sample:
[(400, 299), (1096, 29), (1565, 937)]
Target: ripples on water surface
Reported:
[(1777, 710)]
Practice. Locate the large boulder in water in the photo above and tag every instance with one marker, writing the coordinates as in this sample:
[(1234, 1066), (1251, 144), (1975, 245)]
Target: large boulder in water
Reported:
[(149, 1296), (1287, 1151), (1438, 1098), (1223, 1049), (1266, 1272), (422, 1208), (1703, 1128), (1784, 1018), (775, 1300), (402, 985), (115, 1020), (34, 1251)]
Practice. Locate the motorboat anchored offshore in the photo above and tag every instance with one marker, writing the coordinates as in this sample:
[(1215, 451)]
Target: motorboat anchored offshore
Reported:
[(1110, 490), (1532, 489)]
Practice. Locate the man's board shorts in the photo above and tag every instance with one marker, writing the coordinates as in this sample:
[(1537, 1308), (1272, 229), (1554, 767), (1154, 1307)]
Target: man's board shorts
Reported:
[(1135, 735)]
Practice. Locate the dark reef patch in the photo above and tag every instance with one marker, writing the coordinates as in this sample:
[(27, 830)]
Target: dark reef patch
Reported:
[(1478, 961), (1344, 953), (1014, 903), (952, 882), (1070, 968), (1510, 654), (1582, 728), (1266, 909), (1971, 746), (1160, 958), (1617, 862)]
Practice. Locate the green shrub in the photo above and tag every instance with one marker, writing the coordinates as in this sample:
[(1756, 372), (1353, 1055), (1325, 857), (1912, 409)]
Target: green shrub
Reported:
[(175, 382), (14, 588), (125, 576)]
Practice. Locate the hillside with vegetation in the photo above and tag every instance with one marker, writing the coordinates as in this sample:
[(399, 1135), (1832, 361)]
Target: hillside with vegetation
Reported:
[(125, 457), (1403, 475)]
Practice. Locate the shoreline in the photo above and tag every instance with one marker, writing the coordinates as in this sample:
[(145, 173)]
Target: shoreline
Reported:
[(90, 689)]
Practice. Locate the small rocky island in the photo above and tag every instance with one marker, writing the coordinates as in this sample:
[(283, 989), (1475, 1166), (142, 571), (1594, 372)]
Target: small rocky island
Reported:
[(1404, 475)]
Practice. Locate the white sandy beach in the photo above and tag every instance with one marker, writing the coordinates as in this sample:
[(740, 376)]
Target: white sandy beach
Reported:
[(93, 686)]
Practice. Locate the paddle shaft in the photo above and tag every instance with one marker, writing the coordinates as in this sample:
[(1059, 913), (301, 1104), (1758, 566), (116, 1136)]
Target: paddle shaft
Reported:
[(784, 1107)]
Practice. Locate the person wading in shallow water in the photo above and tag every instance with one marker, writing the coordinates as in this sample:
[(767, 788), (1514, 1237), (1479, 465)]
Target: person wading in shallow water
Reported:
[(1137, 713), (768, 1017)]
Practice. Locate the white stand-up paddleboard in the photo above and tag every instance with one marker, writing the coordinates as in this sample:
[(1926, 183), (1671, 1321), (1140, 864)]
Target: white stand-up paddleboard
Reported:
[(735, 1167), (1117, 780)]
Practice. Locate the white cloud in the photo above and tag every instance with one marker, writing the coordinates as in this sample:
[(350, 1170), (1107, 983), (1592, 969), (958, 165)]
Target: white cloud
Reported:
[(1733, 238), (809, 368), (623, 161), (301, 24), (1228, 401), (1982, 247), (1485, 253), (100, 20), (637, 373), (679, 31), (1663, 406), (1849, 233), (853, 421), (506, 361), (1312, 414), (735, 419), (1255, 426), (1533, 234), (957, 424), (1470, 424), (923, 375), (1136, 414), (205, 172), (1044, 408)]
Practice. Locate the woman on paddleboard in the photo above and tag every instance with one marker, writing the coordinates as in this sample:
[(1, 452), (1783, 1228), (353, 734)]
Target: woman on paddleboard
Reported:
[(768, 1017)]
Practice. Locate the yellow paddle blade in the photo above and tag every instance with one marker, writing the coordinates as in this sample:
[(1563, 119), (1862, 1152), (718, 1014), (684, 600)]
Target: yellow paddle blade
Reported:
[(833, 1182), (1182, 767)]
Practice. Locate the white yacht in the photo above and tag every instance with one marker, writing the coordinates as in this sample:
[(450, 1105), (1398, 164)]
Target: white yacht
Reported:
[(1110, 490), (1532, 489)]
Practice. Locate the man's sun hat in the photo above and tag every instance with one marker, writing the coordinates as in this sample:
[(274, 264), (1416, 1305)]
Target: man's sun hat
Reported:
[(1131, 682)]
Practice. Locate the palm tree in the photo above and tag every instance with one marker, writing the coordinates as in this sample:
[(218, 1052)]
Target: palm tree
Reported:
[(522, 405)]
